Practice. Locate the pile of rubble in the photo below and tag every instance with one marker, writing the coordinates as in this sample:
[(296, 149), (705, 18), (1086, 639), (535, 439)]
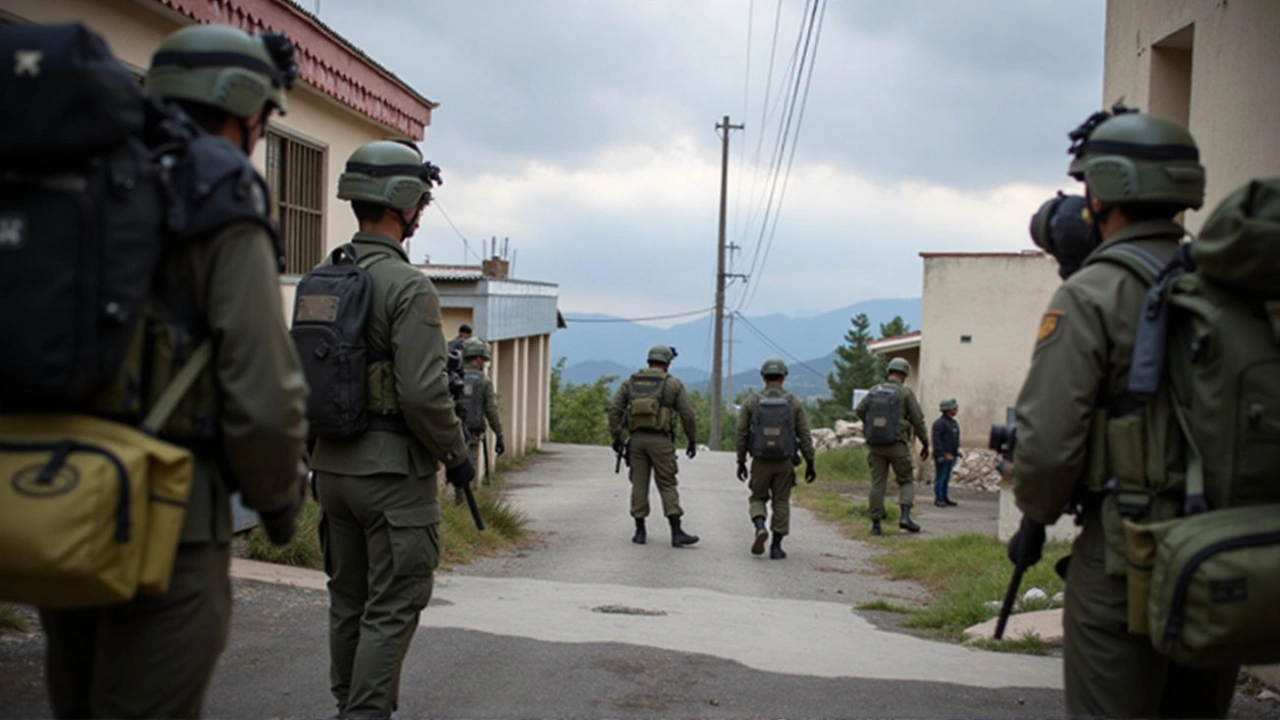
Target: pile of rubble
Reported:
[(976, 468)]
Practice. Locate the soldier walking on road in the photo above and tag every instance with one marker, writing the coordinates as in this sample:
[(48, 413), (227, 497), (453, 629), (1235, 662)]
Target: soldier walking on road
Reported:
[(774, 429), (646, 405), (946, 448), (380, 531), (481, 403), (891, 418)]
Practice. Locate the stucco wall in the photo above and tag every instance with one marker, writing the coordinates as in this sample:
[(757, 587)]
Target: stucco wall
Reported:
[(1234, 93), (996, 300)]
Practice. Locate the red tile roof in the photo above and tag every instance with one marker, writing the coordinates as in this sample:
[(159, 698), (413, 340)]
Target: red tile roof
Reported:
[(326, 60)]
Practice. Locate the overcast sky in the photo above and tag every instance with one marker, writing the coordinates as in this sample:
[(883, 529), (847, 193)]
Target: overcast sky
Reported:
[(584, 130)]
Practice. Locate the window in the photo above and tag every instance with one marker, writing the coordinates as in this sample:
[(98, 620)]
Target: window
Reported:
[(966, 339), (295, 173)]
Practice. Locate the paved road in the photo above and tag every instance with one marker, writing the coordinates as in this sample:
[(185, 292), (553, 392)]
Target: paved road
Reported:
[(587, 624)]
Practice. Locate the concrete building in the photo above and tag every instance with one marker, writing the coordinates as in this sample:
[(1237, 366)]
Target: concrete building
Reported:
[(906, 347), (1211, 65)]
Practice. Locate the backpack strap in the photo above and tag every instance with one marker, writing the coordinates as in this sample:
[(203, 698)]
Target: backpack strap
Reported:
[(1143, 263), (178, 388)]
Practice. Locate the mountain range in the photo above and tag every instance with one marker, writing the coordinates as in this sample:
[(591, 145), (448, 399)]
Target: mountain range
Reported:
[(607, 345)]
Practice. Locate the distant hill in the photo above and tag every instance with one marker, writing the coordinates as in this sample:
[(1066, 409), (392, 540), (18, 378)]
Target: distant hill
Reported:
[(625, 343)]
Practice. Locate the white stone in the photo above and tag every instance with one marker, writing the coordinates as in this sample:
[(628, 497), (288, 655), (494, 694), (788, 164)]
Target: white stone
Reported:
[(1034, 594), (846, 429), (1059, 598)]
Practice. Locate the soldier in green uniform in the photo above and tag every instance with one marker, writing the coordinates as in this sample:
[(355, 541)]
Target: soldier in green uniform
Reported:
[(892, 408), (481, 402), (646, 405), (773, 433), (1139, 171), (243, 419), (378, 490)]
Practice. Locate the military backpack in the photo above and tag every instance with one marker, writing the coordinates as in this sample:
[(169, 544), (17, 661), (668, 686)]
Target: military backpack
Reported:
[(645, 409), (473, 397), (773, 428), (330, 312), (884, 415), (1204, 575)]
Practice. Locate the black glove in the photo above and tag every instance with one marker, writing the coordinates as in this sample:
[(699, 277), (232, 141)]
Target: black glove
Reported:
[(499, 446), (795, 459), (742, 470), (809, 473), (1028, 543), (280, 524), (618, 446), (461, 475), (692, 449), (924, 452)]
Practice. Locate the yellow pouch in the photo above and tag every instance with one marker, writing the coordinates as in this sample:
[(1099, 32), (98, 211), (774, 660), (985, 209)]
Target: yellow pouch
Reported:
[(91, 511)]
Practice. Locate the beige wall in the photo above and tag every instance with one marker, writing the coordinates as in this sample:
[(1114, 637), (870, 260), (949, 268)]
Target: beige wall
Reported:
[(996, 300), (1210, 63)]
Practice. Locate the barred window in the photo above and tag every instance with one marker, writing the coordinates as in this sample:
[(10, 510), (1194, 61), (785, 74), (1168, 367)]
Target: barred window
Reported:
[(296, 175)]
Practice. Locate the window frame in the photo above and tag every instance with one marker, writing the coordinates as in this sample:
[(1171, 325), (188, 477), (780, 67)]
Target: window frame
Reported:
[(292, 203)]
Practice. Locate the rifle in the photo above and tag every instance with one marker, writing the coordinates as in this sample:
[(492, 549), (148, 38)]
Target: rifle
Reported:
[(623, 455), (454, 368), (1010, 595), (484, 447)]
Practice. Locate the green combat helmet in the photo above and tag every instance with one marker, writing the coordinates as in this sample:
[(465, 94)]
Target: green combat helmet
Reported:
[(662, 354), (1126, 156), (948, 404), (224, 67), (899, 365), (774, 366), (388, 173), (473, 348)]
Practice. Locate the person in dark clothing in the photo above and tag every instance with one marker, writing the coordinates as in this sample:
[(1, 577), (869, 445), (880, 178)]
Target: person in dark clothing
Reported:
[(946, 448)]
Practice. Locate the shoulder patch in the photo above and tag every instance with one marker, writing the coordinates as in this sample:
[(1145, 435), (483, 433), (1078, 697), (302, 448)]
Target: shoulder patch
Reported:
[(1050, 325), (432, 314)]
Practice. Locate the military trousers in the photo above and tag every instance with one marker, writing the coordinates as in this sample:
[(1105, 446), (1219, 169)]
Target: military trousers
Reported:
[(147, 658), (880, 458), (1110, 673), (381, 541), (653, 452), (770, 484)]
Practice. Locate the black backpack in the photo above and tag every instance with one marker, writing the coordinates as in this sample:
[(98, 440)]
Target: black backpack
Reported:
[(85, 208), (884, 415), (773, 428), (329, 317), (473, 394)]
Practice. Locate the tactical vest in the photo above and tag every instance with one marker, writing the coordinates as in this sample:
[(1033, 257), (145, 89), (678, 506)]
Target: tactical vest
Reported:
[(884, 415), (645, 408), (773, 428), (473, 402)]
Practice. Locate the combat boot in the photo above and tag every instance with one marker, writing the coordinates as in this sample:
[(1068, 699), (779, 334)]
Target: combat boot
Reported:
[(905, 522), (875, 527), (775, 550), (680, 538), (757, 547), (640, 535)]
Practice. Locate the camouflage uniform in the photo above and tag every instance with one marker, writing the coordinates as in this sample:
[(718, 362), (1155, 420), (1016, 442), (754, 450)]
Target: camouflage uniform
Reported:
[(897, 455)]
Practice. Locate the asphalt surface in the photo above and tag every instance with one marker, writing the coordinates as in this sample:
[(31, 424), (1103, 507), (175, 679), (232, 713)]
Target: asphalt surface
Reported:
[(584, 623)]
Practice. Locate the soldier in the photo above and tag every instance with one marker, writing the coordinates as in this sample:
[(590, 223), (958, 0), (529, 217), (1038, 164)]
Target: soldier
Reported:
[(648, 403), (464, 334), (481, 403), (381, 538), (1139, 172), (153, 656), (946, 448), (891, 417), (774, 429)]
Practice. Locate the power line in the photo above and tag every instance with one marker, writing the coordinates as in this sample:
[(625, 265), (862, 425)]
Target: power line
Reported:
[(760, 334), (703, 311), (746, 96), (465, 243)]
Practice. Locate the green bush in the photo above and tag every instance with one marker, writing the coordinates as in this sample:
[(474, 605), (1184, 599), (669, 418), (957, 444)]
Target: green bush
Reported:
[(846, 463)]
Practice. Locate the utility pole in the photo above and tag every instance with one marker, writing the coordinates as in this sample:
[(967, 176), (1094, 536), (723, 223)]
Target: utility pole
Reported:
[(718, 349), (733, 251)]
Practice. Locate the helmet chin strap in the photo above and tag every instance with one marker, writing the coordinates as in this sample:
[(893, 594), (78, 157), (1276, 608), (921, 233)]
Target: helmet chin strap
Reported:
[(406, 226), (1096, 217)]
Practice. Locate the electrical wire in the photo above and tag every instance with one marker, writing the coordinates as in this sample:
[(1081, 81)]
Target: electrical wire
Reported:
[(465, 243), (690, 313), (760, 334)]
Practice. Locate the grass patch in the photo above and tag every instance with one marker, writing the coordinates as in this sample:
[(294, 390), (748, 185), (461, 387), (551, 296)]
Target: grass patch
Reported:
[(963, 573), (1026, 644), (9, 619), (884, 606), (460, 541), (846, 463)]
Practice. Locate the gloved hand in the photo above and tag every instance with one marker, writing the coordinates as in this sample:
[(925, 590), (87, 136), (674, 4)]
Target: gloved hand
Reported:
[(692, 449), (499, 446), (1028, 543), (279, 524), (461, 475), (742, 470), (809, 473), (618, 445), (795, 459), (924, 452)]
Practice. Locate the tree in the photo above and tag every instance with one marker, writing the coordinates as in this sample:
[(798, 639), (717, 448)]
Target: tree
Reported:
[(856, 368), (578, 412), (895, 327)]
